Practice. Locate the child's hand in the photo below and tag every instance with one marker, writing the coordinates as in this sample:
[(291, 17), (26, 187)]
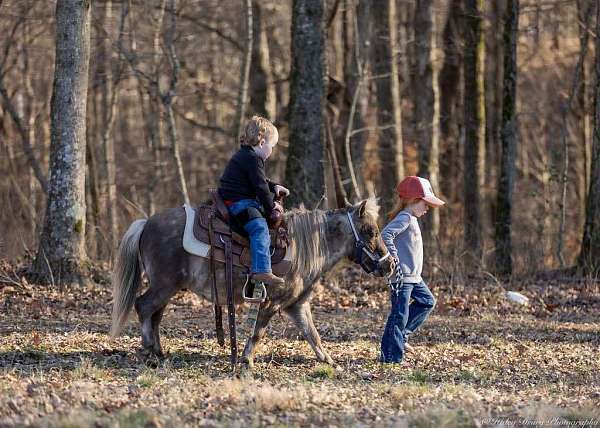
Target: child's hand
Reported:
[(279, 189)]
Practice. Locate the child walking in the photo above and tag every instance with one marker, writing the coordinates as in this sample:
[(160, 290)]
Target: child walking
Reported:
[(249, 194), (402, 237)]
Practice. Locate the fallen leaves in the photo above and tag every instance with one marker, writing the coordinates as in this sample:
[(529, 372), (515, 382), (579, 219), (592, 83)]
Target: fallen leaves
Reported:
[(477, 355)]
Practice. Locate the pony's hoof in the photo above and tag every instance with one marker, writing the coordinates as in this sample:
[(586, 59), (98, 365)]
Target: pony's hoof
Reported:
[(148, 357)]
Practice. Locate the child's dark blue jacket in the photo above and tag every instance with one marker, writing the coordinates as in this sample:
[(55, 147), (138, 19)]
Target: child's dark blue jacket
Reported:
[(244, 178)]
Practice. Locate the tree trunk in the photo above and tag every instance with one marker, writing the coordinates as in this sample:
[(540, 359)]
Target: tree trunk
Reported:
[(427, 115), (168, 103), (245, 71), (62, 245), (304, 169), (262, 93), (108, 108), (93, 236), (449, 81), (389, 113), (565, 112), (584, 8), (589, 256), (474, 117), (508, 138), (356, 34)]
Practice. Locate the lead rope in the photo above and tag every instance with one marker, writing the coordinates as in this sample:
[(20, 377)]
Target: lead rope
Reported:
[(396, 286)]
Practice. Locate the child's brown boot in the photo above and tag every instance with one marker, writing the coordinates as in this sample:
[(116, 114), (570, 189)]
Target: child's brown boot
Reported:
[(268, 278)]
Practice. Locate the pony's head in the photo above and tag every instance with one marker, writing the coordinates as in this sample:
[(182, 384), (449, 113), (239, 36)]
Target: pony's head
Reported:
[(369, 250)]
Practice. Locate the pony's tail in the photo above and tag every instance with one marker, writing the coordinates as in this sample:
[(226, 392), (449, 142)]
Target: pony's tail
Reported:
[(127, 276)]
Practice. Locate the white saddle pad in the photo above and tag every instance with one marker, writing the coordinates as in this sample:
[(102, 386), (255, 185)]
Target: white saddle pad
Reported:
[(190, 243)]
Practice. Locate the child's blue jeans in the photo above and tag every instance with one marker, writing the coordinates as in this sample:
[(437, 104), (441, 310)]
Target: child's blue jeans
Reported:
[(258, 231), (405, 317)]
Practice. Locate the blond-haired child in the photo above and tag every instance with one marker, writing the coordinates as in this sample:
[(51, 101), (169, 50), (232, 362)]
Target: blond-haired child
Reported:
[(249, 194), (402, 237)]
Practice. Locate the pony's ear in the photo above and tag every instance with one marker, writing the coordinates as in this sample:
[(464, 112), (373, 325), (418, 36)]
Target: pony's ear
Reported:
[(361, 208)]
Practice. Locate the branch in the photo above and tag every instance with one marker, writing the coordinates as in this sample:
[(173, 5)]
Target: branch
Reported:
[(33, 163), (372, 128), (202, 125), (215, 30)]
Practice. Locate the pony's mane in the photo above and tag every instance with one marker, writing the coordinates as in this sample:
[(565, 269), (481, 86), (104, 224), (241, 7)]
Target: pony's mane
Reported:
[(372, 207), (308, 241)]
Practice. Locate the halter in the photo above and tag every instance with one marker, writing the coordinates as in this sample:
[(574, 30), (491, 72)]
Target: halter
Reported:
[(371, 262)]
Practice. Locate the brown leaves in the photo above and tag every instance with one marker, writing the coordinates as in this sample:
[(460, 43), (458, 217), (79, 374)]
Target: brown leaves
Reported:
[(475, 354)]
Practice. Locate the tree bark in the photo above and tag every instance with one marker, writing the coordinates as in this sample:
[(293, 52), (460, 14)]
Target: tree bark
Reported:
[(565, 112), (449, 82), (167, 100), (62, 245), (589, 256), (245, 71), (474, 118), (304, 169), (262, 93), (427, 116), (508, 139), (385, 69), (109, 91)]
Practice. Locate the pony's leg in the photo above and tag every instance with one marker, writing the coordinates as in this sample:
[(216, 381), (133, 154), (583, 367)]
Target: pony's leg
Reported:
[(153, 301), (301, 315), (156, 318), (264, 316)]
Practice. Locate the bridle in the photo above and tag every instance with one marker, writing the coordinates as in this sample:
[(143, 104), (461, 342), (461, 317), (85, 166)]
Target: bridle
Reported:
[(362, 254)]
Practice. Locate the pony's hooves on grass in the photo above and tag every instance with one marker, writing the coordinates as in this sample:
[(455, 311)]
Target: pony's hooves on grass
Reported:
[(149, 358)]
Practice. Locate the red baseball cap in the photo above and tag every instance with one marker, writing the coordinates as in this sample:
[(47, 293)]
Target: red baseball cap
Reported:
[(417, 187)]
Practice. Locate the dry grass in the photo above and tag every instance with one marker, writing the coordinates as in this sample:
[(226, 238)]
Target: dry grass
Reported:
[(479, 359)]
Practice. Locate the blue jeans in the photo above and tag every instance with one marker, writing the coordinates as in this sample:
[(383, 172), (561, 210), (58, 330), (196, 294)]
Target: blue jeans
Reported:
[(258, 231), (405, 317)]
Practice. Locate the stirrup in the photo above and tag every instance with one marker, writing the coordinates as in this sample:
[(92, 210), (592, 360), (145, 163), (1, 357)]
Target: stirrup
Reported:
[(258, 290)]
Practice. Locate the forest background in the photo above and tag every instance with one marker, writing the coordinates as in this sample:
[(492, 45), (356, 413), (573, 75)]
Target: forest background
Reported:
[(384, 91)]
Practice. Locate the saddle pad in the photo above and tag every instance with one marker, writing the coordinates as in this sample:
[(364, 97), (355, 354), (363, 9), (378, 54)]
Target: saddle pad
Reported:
[(190, 243), (281, 258)]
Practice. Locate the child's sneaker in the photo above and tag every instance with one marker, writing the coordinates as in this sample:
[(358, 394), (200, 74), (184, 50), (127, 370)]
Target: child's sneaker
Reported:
[(268, 278)]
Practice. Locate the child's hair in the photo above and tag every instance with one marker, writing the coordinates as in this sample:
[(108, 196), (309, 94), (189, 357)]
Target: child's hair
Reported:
[(400, 204), (256, 129)]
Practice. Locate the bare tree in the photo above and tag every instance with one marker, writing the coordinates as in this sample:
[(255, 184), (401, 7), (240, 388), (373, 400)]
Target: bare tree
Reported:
[(474, 118), (62, 244), (152, 85), (427, 114), (589, 256), (449, 82), (566, 110), (262, 94), (304, 170), (245, 70), (385, 69), (508, 138)]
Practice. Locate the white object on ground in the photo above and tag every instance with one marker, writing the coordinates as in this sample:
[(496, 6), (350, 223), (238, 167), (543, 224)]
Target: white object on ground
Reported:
[(513, 296)]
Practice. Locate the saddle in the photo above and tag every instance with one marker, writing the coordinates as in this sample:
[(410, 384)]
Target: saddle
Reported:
[(240, 245), (212, 226)]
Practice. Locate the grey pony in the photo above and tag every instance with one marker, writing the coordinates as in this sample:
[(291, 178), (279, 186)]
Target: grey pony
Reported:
[(319, 240)]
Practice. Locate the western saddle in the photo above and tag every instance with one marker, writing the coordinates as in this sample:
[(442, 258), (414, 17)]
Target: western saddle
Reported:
[(240, 245), (214, 227)]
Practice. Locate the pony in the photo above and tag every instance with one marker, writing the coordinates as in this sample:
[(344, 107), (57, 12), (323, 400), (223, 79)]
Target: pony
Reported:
[(318, 240)]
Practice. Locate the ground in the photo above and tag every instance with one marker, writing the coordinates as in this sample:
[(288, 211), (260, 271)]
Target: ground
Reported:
[(480, 360)]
